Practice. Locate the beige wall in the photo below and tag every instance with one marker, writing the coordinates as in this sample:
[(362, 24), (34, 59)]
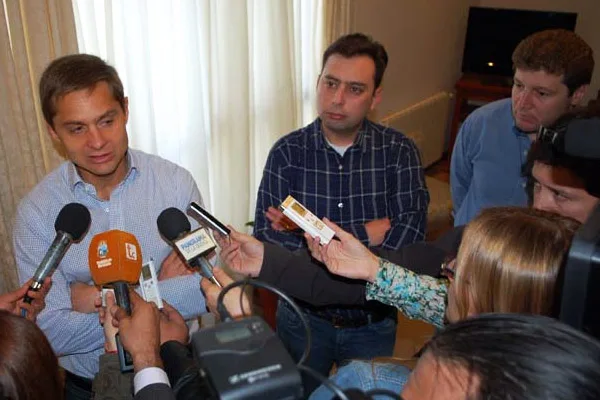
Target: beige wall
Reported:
[(588, 25), (425, 39)]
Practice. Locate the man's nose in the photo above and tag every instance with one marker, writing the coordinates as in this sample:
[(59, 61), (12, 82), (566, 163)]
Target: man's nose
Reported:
[(543, 200), (96, 139), (339, 95), (524, 99)]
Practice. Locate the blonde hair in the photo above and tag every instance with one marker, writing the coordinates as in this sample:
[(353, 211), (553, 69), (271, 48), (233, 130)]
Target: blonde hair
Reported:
[(509, 260)]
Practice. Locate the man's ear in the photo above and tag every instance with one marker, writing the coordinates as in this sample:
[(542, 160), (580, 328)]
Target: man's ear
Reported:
[(53, 133), (579, 94), (376, 98)]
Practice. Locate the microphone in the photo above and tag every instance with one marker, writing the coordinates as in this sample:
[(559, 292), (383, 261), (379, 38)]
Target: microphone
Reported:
[(582, 138), (115, 260), (193, 246), (72, 222)]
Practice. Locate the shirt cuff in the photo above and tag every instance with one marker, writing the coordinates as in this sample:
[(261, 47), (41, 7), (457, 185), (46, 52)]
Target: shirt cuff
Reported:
[(381, 281), (148, 376)]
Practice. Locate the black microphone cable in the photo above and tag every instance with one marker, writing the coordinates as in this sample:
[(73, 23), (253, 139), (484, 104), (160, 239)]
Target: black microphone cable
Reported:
[(339, 393)]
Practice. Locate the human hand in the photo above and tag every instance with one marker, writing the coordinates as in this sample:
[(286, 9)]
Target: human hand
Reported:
[(83, 297), (235, 305), (14, 301), (172, 266), (38, 298), (106, 320), (279, 221), (242, 253), (376, 230), (140, 331), (172, 325), (346, 257)]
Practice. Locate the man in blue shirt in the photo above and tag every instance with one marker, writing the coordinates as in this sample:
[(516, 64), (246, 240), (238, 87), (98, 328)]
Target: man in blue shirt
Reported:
[(361, 175), (86, 112), (553, 70)]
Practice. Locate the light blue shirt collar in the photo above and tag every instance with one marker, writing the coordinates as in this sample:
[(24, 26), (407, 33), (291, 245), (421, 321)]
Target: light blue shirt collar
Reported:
[(74, 178)]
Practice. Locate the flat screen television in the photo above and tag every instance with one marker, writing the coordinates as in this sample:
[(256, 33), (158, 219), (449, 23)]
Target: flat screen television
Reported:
[(493, 34)]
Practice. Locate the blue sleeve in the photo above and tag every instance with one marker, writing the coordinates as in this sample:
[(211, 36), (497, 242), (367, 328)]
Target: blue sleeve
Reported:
[(274, 188), (461, 168), (183, 293), (408, 199)]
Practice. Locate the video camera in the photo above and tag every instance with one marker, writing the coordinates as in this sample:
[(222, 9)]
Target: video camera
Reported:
[(579, 137)]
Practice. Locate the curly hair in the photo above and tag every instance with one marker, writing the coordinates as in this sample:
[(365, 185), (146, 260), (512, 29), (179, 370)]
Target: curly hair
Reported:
[(558, 52)]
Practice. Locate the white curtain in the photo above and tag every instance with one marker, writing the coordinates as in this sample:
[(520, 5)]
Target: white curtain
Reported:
[(339, 17), (211, 84)]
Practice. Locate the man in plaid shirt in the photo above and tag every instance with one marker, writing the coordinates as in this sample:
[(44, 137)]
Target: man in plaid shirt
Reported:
[(365, 177)]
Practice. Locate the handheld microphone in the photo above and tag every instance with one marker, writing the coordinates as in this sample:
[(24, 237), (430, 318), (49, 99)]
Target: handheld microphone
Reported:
[(193, 246), (115, 260), (72, 222)]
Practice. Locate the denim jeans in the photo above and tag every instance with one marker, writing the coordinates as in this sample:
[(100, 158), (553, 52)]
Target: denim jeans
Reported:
[(366, 375), (333, 345)]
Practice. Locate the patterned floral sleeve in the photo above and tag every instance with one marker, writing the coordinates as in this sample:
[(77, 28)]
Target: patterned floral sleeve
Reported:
[(416, 296)]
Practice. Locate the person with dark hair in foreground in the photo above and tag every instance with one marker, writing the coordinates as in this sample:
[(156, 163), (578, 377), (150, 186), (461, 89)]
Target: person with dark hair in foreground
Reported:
[(507, 356), (28, 367), (560, 182)]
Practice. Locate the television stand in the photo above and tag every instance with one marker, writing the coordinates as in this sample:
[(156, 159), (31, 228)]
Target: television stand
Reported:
[(495, 81), (479, 89)]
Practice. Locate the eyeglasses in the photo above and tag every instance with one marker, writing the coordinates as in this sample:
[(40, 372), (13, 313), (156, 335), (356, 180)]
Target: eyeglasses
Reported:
[(447, 268)]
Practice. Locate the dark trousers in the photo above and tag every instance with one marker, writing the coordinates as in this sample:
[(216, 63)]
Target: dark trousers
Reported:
[(77, 387)]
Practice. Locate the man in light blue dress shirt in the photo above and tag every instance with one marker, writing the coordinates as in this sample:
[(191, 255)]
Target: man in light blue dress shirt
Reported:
[(86, 112), (553, 70)]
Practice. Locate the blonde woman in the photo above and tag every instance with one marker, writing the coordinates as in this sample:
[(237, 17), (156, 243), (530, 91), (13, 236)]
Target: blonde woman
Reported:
[(507, 262)]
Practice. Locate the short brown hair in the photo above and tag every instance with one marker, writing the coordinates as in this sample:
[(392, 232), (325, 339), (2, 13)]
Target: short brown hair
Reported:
[(359, 44), (28, 366), (558, 52), (509, 260), (72, 73)]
